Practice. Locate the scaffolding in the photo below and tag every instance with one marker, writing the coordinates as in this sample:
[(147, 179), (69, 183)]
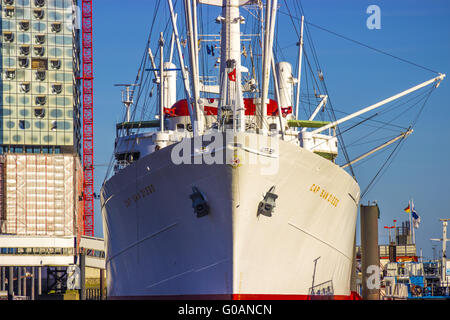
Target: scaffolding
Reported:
[(41, 194), (2, 194)]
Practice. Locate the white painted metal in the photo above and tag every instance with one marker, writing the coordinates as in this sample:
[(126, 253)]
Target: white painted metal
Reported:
[(127, 97), (152, 60), (299, 72), (317, 142), (321, 104), (184, 72), (230, 50), (276, 81), (402, 136), (198, 124), (285, 83), (170, 85), (172, 41), (265, 74), (161, 82), (196, 41)]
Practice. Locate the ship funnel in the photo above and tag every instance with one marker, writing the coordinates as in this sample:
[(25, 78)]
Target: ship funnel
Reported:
[(285, 83), (170, 84)]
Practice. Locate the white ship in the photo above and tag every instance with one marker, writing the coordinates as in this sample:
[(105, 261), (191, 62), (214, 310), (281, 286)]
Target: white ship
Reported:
[(227, 198)]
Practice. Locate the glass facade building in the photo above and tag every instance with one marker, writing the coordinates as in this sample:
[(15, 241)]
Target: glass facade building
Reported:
[(39, 88)]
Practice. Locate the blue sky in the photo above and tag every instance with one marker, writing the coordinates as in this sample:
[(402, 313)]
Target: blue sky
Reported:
[(418, 31)]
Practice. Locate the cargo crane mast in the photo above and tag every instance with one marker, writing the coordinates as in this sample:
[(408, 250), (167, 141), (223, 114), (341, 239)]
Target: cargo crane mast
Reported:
[(88, 117)]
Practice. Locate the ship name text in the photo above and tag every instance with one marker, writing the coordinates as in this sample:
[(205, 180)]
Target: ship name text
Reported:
[(324, 194), (144, 192)]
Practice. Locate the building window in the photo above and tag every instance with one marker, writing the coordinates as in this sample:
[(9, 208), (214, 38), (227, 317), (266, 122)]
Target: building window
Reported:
[(24, 25), (39, 112), (40, 38), (23, 62), (53, 126), (22, 124), (9, 12), (9, 2), (24, 87), (39, 51), (39, 3), (40, 75), (10, 74), (38, 14), (8, 36), (55, 64), (57, 88), (24, 50), (56, 27), (41, 100)]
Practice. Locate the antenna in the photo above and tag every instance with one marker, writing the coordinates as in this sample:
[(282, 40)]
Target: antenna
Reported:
[(127, 96)]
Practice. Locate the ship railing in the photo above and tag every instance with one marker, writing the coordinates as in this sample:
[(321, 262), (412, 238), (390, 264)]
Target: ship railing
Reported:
[(94, 294), (121, 164), (322, 289)]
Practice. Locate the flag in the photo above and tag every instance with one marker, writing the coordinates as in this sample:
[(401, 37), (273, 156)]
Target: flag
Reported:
[(232, 75), (416, 218), (407, 209)]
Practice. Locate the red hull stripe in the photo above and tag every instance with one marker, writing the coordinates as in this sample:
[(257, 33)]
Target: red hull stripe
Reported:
[(352, 296)]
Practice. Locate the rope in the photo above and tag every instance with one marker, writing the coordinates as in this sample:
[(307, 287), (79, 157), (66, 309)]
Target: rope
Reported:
[(359, 43), (400, 143)]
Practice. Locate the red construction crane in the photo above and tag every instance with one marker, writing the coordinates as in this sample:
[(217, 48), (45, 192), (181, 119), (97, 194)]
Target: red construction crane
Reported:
[(88, 117)]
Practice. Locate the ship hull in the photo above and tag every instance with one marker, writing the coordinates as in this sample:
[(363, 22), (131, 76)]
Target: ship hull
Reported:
[(157, 247)]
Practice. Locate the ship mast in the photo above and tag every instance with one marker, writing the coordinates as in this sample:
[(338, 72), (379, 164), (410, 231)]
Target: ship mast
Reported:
[(271, 10), (191, 25), (231, 100)]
